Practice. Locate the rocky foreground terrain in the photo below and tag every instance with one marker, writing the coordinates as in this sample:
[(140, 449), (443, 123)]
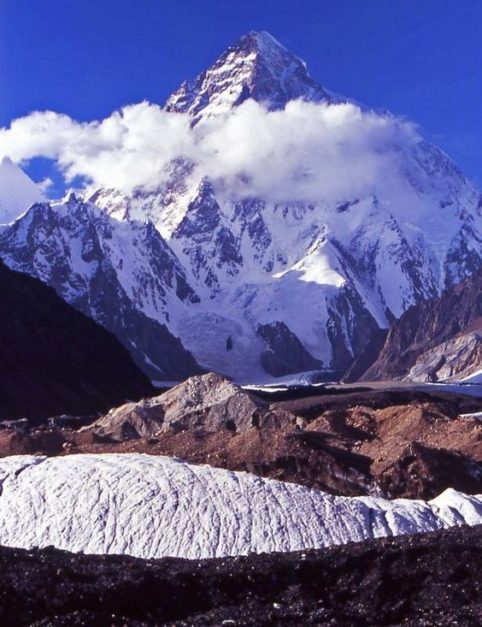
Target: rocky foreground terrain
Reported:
[(427, 579), (395, 443)]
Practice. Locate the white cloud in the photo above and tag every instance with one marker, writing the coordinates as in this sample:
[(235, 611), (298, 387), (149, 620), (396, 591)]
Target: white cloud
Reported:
[(45, 184), (305, 152)]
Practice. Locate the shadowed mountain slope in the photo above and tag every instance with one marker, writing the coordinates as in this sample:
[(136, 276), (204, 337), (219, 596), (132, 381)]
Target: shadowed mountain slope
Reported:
[(55, 360)]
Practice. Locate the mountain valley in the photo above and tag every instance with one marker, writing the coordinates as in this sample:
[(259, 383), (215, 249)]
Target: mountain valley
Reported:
[(240, 359)]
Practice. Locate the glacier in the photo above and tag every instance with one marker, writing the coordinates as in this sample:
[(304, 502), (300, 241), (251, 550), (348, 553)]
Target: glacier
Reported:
[(152, 507)]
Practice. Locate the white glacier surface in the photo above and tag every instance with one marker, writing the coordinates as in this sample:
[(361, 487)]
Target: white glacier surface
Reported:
[(152, 507)]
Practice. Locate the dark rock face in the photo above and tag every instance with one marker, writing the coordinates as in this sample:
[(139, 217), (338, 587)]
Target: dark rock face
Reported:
[(367, 357), (285, 354), (140, 334), (462, 261), (426, 335), (55, 360), (348, 315), (424, 579)]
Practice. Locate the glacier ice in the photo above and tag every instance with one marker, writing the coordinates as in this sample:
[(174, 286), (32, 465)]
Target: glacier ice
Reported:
[(152, 507)]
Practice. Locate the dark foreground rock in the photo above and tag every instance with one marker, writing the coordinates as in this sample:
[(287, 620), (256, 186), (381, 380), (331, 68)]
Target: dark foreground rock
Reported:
[(427, 579), (55, 360)]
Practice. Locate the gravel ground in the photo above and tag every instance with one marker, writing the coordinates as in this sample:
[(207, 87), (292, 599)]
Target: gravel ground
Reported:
[(427, 579)]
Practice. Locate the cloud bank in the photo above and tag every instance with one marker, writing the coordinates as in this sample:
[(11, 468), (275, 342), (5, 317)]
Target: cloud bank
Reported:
[(306, 152)]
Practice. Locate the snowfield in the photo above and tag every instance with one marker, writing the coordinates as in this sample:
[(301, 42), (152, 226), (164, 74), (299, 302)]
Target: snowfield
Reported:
[(152, 507)]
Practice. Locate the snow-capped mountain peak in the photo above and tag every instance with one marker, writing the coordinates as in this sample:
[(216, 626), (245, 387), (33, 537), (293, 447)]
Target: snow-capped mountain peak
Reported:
[(257, 67), (279, 284), (17, 191)]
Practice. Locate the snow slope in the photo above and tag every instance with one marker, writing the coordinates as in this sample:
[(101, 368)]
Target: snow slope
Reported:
[(17, 191), (475, 377), (155, 506)]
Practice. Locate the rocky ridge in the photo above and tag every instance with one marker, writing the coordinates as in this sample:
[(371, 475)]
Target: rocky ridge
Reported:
[(55, 360), (256, 67), (209, 403), (436, 340)]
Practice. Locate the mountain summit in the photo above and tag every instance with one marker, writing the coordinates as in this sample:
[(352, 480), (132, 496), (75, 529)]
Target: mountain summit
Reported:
[(192, 276), (256, 67)]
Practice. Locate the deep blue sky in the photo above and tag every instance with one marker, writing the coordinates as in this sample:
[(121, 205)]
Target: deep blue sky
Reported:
[(418, 58)]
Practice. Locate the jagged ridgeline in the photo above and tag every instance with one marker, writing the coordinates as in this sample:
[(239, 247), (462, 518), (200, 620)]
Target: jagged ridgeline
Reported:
[(190, 277)]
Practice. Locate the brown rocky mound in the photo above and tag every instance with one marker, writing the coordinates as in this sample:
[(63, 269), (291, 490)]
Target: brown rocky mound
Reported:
[(210, 402), (397, 444), (426, 579)]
